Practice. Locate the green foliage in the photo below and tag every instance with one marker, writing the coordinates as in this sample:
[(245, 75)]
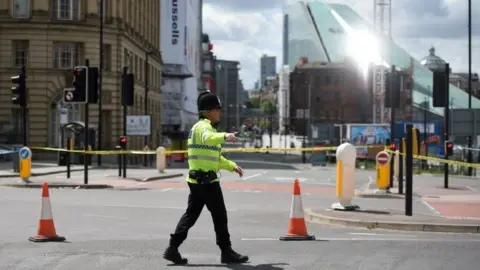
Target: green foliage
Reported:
[(253, 103), (268, 107)]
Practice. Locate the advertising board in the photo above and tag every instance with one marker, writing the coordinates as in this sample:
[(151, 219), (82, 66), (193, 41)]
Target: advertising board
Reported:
[(173, 31), (369, 135)]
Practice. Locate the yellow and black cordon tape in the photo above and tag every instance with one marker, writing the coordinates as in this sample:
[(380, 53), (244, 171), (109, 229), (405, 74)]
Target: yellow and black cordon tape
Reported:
[(169, 152), (440, 160)]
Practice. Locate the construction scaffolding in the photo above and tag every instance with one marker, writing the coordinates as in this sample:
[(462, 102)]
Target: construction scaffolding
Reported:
[(382, 10)]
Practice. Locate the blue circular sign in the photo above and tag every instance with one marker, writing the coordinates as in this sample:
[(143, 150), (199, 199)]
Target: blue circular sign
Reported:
[(25, 153)]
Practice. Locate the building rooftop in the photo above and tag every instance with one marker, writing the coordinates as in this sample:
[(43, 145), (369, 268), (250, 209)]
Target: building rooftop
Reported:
[(432, 61)]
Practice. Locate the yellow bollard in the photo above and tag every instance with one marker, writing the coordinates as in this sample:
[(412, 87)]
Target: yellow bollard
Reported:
[(25, 156), (383, 172)]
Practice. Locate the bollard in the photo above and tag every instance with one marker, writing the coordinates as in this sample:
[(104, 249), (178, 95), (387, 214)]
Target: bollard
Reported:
[(383, 172), (119, 160), (346, 157), (67, 157), (396, 164), (161, 159), (25, 156)]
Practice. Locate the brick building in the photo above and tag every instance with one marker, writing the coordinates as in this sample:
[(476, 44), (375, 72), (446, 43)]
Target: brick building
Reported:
[(338, 94), (50, 37)]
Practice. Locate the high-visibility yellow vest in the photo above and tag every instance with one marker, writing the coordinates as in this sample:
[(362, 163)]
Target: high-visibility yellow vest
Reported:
[(205, 150)]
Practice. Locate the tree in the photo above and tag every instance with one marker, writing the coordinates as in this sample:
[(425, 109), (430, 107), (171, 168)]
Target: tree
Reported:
[(253, 103), (270, 109)]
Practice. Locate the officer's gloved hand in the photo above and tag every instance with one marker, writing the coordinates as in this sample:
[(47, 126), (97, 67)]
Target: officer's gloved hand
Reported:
[(230, 137), (239, 171)]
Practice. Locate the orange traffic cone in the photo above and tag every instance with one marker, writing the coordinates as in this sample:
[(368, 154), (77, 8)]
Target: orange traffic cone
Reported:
[(46, 228), (297, 228)]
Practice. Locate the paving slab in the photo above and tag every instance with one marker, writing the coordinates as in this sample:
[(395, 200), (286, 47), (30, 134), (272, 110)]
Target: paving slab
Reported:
[(392, 219)]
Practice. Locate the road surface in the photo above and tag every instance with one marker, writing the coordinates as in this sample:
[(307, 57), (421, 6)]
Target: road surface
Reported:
[(129, 229)]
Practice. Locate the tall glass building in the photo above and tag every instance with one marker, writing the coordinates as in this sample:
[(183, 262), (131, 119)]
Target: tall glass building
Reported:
[(331, 32)]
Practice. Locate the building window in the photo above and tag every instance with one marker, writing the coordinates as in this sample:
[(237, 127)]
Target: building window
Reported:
[(17, 123), (66, 55), (107, 57), (66, 9), (21, 9), (20, 53)]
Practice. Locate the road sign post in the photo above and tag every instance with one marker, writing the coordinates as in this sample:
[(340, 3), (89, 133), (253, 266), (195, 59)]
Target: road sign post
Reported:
[(346, 158), (25, 156), (383, 172)]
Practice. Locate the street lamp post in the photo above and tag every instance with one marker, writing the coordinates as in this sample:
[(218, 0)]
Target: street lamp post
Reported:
[(470, 169), (145, 102)]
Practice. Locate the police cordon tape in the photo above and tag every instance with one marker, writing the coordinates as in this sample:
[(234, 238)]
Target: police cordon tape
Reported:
[(168, 152), (439, 160)]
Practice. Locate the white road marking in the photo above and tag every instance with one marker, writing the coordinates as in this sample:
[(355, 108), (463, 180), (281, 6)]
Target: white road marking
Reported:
[(377, 239), (254, 175), (471, 188), (104, 216), (166, 189), (289, 179), (383, 234), (431, 208)]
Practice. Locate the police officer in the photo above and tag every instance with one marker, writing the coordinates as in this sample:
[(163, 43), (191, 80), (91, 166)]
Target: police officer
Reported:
[(205, 160)]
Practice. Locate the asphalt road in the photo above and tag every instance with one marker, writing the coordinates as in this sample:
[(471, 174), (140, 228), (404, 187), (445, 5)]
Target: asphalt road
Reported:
[(129, 229)]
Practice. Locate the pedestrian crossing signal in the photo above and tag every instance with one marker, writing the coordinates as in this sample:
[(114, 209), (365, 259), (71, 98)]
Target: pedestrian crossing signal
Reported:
[(123, 142), (393, 147), (448, 148)]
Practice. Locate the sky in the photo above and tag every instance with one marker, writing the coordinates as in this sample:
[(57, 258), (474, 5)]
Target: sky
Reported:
[(244, 30)]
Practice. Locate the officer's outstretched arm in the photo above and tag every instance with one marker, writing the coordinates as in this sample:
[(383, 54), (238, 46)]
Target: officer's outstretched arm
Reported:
[(227, 164), (210, 137)]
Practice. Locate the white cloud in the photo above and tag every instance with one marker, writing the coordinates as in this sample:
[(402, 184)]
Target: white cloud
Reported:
[(243, 31)]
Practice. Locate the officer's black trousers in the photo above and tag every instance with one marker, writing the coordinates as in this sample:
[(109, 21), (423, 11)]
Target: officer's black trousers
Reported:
[(211, 196)]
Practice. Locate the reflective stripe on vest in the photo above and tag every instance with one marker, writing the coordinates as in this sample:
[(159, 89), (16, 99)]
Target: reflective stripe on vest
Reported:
[(196, 146), (202, 157)]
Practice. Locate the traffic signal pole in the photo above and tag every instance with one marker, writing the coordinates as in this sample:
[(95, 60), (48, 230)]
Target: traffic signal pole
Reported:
[(393, 98), (24, 109), (446, 122), (124, 159), (85, 134), (100, 79)]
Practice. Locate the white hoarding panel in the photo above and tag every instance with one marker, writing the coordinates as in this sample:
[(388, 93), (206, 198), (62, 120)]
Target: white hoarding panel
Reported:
[(172, 101), (139, 125), (173, 31)]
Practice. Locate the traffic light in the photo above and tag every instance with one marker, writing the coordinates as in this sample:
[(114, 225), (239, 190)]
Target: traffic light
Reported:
[(392, 90), (79, 92), (440, 86), (448, 148), (93, 85), (128, 89), (19, 90), (393, 147), (415, 141), (123, 142)]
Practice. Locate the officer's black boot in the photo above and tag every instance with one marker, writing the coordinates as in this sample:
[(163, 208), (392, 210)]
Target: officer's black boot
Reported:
[(230, 256), (172, 254)]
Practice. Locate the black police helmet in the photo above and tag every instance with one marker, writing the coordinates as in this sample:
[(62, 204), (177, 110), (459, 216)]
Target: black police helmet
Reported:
[(207, 101)]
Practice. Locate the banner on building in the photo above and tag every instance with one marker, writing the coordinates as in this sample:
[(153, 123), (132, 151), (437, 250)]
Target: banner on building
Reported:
[(139, 125)]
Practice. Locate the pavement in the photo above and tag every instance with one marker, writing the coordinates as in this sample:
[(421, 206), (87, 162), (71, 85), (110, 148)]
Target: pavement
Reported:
[(128, 228), (97, 178), (435, 208)]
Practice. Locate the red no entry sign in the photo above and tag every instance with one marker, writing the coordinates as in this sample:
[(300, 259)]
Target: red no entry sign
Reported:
[(382, 158)]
